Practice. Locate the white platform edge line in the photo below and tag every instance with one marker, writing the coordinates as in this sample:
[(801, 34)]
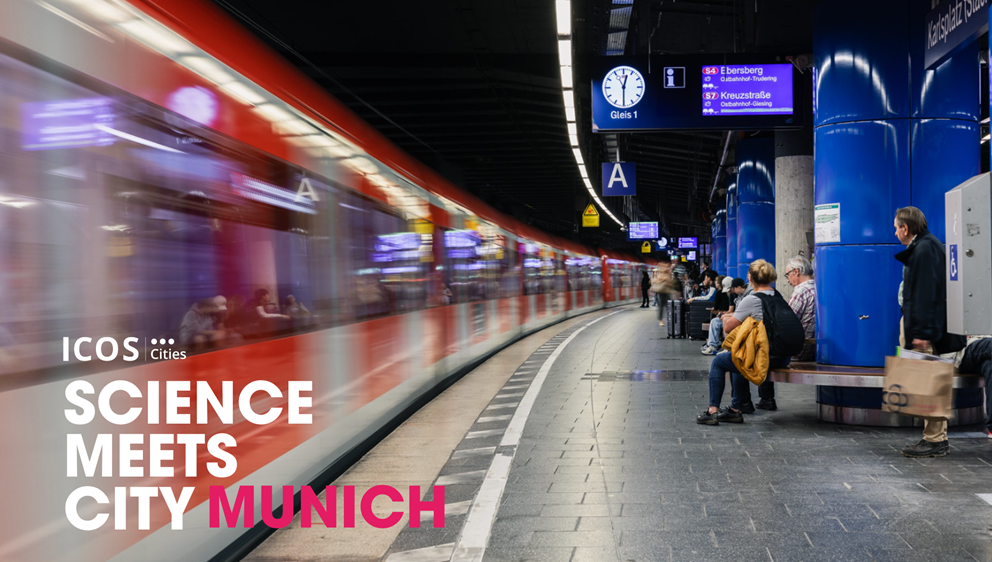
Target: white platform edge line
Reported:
[(471, 546)]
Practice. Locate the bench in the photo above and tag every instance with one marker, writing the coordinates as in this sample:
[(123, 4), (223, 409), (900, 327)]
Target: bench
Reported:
[(853, 395)]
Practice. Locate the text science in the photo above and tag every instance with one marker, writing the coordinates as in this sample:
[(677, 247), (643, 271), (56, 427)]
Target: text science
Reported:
[(742, 89)]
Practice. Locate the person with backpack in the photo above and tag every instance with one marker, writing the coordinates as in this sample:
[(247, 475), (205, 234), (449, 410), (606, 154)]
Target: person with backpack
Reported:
[(779, 334)]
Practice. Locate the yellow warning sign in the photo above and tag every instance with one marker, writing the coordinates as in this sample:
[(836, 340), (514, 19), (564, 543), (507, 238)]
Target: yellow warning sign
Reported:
[(646, 248), (590, 217)]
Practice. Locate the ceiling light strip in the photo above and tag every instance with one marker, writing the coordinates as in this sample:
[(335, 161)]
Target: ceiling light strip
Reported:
[(563, 12)]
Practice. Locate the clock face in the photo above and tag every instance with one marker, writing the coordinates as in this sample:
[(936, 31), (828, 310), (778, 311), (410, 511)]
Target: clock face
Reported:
[(623, 87), (662, 242)]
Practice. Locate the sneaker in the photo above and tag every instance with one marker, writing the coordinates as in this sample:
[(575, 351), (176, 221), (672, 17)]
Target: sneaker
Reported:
[(926, 449), (989, 432), (747, 408), (768, 404), (730, 416), (707, 350), (709, 419)]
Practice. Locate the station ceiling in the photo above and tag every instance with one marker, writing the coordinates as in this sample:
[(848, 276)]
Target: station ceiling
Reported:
[(473, 88)]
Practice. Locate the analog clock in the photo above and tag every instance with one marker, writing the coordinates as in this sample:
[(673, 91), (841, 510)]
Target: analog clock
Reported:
[(623, 87)]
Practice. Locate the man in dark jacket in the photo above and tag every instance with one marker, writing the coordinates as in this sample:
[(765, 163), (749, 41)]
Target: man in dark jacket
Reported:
[(923, 297)]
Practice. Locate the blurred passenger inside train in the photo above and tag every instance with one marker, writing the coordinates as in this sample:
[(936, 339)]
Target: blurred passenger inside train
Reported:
[(294, 309), (235, 312), (202, 326), (799, 274)]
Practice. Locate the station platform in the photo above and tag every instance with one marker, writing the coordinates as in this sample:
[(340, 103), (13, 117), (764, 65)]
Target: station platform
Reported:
[(579, 443)]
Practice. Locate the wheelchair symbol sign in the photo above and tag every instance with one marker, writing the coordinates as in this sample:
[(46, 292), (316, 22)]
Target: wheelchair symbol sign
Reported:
[(953, 262)]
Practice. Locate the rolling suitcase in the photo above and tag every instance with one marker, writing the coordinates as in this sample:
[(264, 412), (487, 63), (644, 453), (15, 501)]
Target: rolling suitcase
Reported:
[(699, 314), (676, 319)]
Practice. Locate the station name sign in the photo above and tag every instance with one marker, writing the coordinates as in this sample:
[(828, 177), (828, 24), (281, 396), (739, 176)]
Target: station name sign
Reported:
[(724, 91), (951, 26)]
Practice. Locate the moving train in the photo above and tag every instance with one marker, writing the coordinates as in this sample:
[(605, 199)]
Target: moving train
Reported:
[(154, 156)]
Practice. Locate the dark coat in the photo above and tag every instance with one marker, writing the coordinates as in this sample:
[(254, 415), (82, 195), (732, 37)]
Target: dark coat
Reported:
[(924, 294)]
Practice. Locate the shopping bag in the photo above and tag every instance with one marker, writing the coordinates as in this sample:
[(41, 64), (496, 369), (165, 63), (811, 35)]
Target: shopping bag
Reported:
[(919, 388)]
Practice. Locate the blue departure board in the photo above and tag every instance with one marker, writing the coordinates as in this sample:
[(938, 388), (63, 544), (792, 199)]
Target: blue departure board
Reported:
[(642, 231)]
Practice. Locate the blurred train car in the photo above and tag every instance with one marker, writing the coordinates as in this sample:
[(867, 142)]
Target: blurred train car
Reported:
[(153, 157)]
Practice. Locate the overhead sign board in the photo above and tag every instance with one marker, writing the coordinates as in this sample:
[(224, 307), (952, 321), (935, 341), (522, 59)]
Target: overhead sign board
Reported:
[(590, 217), (724, 91), (642, 231), (619, 178), (690, 242), (951, 26)]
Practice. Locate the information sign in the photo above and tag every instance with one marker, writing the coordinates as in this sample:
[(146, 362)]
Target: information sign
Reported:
[(619, 178), (687, 242), (642, 231), (723, 91)]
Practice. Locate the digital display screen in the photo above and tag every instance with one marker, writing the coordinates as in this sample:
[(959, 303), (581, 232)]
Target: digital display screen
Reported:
[(691, 256), (687, 242), (642, 231), (734, 91), (747, 89)]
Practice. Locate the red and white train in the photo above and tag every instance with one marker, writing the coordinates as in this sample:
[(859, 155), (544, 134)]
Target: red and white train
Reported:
[(153, 154)]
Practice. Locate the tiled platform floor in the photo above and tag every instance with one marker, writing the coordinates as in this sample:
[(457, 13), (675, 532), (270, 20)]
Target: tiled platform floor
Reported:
[(611, 466)]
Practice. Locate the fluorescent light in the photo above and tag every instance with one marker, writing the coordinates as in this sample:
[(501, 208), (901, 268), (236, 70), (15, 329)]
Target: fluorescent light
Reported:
[(573, 139), (243, 93), (566, 77), (563, 11), (578, 155), (569, 99), (573, 129), (207, 68), (273, 113), (565, 52), (102, 10), (570, 114), (587, 182), (363, 165), (583, 172), (132, 138), (986, 120), (985, 138), (312, 140), (293, 127), (157, 37)]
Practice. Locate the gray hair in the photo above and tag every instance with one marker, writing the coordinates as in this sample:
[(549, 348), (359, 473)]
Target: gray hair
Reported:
[(801, 265)]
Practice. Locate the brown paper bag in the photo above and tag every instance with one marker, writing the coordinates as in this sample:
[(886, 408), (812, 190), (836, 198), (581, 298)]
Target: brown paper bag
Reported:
[(917, 388)]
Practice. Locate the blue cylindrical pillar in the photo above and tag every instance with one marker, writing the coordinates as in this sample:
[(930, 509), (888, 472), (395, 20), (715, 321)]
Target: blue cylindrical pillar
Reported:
[(755, 202), (732, 230), (720, 242), (888, 134)]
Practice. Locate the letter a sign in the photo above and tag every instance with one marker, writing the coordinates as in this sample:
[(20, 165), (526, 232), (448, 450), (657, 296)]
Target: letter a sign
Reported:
[(619, 178)]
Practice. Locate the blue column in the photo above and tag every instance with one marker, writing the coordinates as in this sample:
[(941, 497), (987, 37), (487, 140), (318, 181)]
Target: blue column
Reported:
[(732, 230), (720, 242), (887, 134), (756, 202)]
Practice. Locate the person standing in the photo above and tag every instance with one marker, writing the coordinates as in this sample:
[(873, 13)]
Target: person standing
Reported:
[(923, 298), (645, 287)]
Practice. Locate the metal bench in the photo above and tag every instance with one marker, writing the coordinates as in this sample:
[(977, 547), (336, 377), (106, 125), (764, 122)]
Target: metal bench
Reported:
[(853, 395)]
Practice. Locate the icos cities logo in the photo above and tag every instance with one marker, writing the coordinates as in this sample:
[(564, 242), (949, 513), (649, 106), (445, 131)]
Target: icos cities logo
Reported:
[(108, 349)]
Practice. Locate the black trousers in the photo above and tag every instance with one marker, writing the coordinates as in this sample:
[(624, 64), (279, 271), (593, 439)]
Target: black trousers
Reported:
[(978, 360), (645, 301)]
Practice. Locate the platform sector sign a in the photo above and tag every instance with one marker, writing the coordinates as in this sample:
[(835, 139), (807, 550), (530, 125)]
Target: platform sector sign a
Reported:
[(696, 92), (619, 178)]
